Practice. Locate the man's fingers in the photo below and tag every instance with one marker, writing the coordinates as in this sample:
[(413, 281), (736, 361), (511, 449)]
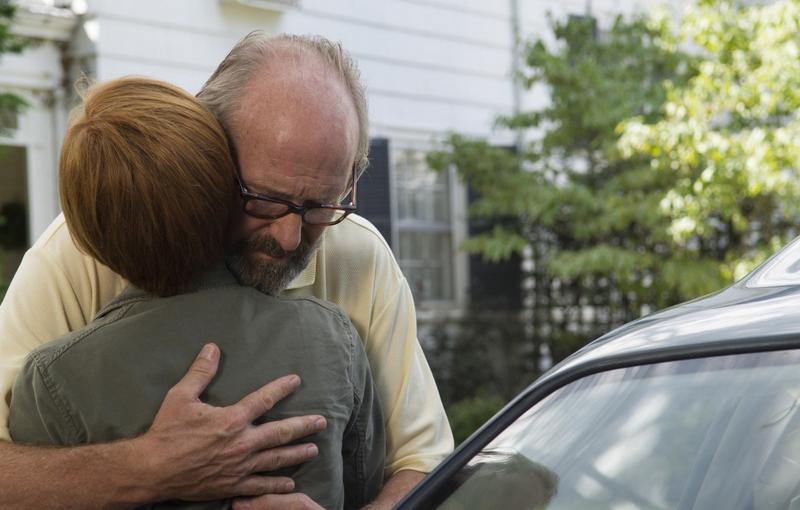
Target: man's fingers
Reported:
[(274, 501), (263, 399), (259, 485), (284, 456), (281, 432), (203, 369)]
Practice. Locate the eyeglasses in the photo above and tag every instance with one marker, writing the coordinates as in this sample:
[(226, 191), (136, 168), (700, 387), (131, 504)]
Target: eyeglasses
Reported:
[(271, 208)]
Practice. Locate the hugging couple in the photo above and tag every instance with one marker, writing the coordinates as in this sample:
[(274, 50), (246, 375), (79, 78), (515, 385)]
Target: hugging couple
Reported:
[(221, 225)]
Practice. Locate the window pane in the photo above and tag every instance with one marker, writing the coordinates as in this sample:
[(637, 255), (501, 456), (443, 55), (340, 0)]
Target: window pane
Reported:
[(424, 226), (422, 194), (425, 258)]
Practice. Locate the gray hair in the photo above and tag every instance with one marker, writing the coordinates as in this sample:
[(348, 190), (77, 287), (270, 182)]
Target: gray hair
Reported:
[(223, 91)]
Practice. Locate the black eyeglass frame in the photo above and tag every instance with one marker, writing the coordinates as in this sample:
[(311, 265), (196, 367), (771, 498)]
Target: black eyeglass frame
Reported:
[(293, 208)]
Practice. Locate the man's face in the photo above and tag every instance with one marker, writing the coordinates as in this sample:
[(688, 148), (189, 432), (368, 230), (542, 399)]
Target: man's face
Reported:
[(295, 136)]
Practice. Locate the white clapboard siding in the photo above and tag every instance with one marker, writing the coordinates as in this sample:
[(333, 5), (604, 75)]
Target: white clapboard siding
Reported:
[(433, 66)]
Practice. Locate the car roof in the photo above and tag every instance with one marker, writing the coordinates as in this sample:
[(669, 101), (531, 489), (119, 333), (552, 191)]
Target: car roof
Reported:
[(735, 316), (761, 309)]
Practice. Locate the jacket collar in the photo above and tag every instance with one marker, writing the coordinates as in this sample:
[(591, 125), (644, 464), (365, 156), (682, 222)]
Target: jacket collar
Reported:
[(219, 276)]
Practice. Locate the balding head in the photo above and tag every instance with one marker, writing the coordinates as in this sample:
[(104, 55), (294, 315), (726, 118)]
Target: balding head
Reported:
[(258, 56)]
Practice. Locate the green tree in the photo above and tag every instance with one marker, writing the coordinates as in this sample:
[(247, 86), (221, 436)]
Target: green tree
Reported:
[(655, 175), (729, 139), (467, 415), (590, 213)]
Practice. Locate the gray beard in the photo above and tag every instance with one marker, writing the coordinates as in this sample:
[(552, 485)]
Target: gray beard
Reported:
[(270, 277)]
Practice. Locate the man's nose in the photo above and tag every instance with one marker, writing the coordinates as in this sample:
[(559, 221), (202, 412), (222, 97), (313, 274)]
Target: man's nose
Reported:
[(287, 231)]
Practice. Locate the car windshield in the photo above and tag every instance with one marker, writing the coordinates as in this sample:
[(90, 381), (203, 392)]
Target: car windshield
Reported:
[(706, 433), (782, 269)]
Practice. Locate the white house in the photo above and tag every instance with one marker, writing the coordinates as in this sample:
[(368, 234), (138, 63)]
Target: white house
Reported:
[(431, 67)]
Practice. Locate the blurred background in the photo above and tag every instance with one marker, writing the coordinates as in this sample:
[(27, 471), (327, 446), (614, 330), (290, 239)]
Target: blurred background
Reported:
[(544, 170)]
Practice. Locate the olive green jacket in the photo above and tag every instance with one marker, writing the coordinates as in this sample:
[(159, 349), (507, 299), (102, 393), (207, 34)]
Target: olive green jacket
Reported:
[(107, 381)]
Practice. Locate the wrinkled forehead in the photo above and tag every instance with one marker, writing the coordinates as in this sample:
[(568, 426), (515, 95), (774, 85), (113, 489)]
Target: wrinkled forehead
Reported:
[(293, 76), (296, 89), (296, 130)]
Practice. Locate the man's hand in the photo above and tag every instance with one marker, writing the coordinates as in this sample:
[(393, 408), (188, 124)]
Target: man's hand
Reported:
[(193, 451), (200, 452)]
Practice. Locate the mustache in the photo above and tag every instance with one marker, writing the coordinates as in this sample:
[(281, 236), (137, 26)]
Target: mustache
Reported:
[(268, 245)]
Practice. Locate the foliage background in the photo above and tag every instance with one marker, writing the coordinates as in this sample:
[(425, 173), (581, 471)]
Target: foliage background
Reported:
[(663, 168), (9, 104)]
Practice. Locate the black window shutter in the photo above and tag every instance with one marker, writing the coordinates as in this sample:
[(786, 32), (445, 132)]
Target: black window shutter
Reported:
[(374, 189), (493, 285)]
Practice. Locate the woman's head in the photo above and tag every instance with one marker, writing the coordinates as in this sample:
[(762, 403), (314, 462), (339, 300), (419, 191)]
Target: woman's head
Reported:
[(146, 182)]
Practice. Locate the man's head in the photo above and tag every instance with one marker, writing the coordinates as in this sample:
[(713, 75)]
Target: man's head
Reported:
[(295, 112), (146, 182)]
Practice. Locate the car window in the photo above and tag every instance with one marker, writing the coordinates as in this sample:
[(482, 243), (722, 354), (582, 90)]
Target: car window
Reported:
[(707, 433)]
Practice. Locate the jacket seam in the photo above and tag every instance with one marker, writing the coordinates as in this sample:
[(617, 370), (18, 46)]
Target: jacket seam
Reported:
[(360, 455), (361, 470), (55, 396), (112, 318)]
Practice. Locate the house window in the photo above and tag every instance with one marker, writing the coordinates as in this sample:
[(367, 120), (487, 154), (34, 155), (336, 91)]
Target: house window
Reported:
[(424, 226)]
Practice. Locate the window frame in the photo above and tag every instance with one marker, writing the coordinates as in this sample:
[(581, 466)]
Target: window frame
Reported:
[(429, 309)]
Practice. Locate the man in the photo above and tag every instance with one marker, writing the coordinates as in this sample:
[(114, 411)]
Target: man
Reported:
[(158, 218), (295, 114)]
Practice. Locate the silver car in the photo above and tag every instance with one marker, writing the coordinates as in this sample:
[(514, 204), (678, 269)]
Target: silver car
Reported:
[(695, 407)]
